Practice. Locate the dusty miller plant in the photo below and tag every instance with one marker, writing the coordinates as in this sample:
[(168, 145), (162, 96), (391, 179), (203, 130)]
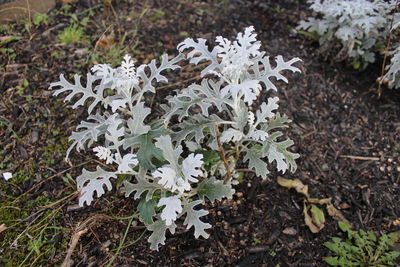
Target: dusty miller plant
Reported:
[(172, 163), (360, 26), (392, 75)]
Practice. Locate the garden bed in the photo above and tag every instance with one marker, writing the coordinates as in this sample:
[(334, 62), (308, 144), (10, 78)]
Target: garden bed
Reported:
[(348, 140)]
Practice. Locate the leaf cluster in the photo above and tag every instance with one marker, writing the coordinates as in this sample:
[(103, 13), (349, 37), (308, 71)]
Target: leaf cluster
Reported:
[(359, 26), (362, 249)]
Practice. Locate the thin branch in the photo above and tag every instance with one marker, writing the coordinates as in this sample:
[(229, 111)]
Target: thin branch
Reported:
[(222, 156), (80, 230), (360, 157)]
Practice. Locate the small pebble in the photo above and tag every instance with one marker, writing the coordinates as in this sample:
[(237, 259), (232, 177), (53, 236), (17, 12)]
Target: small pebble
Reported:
[(289, 231)]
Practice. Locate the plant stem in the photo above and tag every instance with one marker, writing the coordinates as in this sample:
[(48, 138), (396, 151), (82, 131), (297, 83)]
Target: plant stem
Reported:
[(386, 51), (222, 156), (121, 243)]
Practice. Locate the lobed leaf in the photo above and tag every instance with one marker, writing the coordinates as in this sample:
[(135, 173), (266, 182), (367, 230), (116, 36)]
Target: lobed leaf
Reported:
[(193, 219), (159, 229), (93, 182), (214, 189), (136, 124), (256, 163), (142, 186), (86, 92)]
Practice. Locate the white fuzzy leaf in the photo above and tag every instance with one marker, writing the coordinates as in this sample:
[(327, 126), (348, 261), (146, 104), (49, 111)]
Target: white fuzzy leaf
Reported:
[(193, 219), (265, 75), (86, 92), (93, 182), (159, 229), (200, 52), (136, 125), (191, 167), (258, 135), (249, 88), (115, 131), (231, 135), (170, 153), (89, 133), (167, 177), (266, 110), (173, 207), (104, 153), (278, 157), (125, 166), (118, 103), (256, 163), (155, 72), (184, 101), (195, 128)]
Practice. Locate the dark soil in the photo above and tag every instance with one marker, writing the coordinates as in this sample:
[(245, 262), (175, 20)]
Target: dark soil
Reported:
[(348, 139)]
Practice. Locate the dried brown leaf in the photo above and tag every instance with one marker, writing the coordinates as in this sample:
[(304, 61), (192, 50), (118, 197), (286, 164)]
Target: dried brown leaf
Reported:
[(3, 227), (333, 212), (296, 184)]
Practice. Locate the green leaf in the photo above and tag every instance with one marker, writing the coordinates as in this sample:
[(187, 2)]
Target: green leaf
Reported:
[(147, 150), (196, 128), (331, 260), (278, 121), (142, 186), (146, 210), (256, 163), (309, 221), (344, 226), (318, 216), (214, 189), (210, 157)]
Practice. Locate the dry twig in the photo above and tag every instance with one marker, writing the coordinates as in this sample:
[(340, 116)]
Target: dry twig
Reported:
[(80, 230)]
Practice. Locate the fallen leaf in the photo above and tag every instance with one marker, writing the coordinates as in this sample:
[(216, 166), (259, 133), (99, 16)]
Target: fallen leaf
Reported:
[(317, 216), (309, 221), (3, 227), (319, 201), (344, 206), (106, 41), (296, 184), (332, 211)]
